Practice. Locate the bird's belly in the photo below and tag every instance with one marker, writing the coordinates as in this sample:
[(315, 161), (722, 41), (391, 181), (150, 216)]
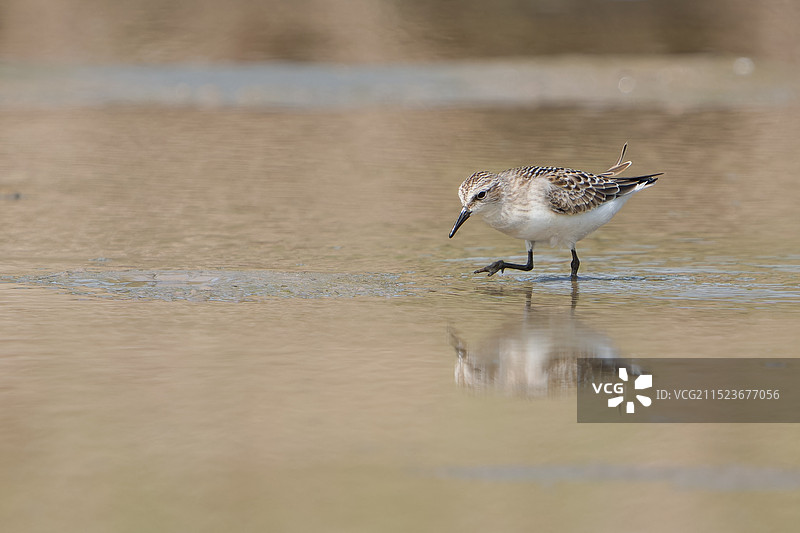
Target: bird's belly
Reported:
[(546, 226)]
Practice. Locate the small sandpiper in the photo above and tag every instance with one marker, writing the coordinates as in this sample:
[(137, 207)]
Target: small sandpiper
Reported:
[(556, 205)]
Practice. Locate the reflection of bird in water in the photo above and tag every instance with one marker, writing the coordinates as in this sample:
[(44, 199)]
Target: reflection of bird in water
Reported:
[(532, 356)]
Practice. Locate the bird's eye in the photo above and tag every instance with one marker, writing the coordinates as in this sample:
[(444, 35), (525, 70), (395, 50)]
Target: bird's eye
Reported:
[(481, 195)]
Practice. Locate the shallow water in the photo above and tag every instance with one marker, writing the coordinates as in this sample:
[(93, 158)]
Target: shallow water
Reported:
[(221, 314)]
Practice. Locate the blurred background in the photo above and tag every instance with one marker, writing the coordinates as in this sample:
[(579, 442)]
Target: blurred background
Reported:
[(375, 32), (228, 299)]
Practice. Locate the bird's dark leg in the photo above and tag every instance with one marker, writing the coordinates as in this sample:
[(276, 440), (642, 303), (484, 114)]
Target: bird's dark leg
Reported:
[(500, 266), (576, 263)]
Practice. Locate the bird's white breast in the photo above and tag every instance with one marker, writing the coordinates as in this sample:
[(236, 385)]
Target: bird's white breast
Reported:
[(535, 221)]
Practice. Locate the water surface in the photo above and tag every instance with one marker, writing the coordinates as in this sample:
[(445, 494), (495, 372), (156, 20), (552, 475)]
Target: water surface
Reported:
[(228, 301)]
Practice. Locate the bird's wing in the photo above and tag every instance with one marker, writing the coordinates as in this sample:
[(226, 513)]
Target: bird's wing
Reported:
[(573, 191)]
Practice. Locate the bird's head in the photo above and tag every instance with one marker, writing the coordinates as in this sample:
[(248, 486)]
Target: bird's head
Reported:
[(479, 192)]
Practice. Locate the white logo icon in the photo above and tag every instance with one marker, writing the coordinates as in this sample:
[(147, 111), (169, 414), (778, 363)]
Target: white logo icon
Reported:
[(644, 381)]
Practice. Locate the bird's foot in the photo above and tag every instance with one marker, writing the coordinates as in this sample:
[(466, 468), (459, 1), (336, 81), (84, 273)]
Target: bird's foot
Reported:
[(494, 268)]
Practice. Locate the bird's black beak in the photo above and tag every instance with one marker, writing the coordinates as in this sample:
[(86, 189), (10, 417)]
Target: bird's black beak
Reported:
[(465, 213)]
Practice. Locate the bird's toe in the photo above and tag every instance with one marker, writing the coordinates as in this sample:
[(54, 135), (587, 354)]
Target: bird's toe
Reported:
[(492, 269)]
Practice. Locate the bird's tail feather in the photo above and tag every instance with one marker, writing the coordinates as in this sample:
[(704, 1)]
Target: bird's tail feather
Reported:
[(636, 183)]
